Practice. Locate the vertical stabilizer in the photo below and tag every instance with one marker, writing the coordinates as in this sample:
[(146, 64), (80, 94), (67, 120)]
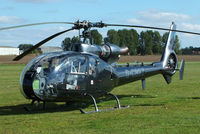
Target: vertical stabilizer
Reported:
[(168, 53)]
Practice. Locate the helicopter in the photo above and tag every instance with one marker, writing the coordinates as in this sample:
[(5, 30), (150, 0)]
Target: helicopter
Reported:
[(89, 71)]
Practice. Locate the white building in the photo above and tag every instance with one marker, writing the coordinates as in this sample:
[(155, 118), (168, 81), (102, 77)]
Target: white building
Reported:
[(7, 50)]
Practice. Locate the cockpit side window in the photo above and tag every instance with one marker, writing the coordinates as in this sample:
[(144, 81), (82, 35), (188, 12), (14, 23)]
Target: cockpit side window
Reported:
[(92, 66), (77, 65)]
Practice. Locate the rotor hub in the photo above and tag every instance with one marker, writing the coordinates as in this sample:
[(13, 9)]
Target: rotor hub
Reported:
[(86, 25)]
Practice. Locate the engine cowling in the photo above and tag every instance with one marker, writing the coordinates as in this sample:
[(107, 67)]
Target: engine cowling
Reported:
[(108, 52)]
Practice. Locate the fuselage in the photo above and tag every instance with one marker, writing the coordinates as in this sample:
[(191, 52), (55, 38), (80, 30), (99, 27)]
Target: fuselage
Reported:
[(66, 76)]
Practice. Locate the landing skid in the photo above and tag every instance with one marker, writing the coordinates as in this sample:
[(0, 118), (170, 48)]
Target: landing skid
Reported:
[(37, 104), (96, 107)]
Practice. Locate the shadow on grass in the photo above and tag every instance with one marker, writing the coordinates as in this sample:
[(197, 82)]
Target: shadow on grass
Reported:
[(50, 108), (142, 96), (149, 104), (192, 98), (54, 107), (136, 96)]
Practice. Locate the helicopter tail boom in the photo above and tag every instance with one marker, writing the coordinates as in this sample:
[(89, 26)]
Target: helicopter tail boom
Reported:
[(167, 66)]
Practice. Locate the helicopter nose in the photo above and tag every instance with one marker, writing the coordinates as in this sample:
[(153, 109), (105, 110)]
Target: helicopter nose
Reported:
[(27, 85)]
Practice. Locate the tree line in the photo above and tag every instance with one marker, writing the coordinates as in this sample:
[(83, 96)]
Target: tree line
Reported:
[(146, 43), (191, 50)]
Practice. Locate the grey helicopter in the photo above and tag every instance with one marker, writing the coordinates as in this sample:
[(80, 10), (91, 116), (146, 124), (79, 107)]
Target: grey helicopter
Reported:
[(89, 71)]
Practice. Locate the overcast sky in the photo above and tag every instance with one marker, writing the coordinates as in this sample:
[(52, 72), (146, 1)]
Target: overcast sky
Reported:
[(185, 13)]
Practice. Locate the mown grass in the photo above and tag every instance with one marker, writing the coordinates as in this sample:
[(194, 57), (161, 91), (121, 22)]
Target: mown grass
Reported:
[(161, 108)]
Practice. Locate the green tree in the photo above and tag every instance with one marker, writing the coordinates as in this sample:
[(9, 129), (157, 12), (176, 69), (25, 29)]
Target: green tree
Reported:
[(191, 50), (130, 39), (141, 46), (66, 44), (177, 45), (187, 50), (24, 47), (164, 40), (156, 46), (113, 37), (96, 37), (145, 43), (133, 40), (148, 41), (177, 42), (122, 35), (75, 39)]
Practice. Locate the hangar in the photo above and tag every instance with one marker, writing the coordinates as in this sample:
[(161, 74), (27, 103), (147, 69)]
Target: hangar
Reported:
[(8, 50)]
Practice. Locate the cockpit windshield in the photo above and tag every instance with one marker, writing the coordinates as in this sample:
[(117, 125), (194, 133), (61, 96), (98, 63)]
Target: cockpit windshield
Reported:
[(55, 68), (75, 64), (50, 70)]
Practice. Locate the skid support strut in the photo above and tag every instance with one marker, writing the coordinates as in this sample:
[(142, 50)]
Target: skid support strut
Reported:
[(118, 103), (37, 104), (96, 107)]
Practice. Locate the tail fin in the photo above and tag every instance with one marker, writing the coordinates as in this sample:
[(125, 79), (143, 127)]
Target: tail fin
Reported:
[(169, 59), (168, 53), (181, 69)]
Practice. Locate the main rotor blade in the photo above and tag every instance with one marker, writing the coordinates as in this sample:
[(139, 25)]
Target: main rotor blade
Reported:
[(149, 27), (34, 24), (39, 44)]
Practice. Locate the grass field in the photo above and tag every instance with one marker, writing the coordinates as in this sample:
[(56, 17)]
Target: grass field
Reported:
[(160, 109)]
